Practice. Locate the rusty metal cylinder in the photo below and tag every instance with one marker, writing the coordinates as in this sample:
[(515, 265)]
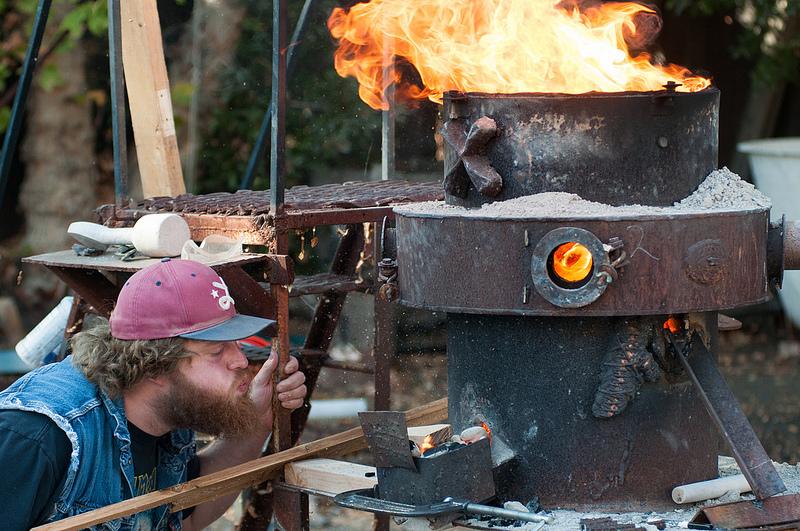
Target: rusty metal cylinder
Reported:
[(649, 148), (533, 381)]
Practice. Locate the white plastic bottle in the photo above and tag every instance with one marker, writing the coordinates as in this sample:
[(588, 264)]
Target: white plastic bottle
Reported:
[(42, 344)]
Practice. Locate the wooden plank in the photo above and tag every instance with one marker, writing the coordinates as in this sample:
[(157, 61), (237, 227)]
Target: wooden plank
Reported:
[(150, 100), (439, 433), (236, 478), (329, 475)]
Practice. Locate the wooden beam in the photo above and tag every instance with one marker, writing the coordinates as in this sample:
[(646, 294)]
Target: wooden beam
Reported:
[(329, 475), (150, 100), (234, 479)]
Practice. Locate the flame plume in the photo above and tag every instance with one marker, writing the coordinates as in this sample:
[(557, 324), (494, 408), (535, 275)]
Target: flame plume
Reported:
[(499, 46)]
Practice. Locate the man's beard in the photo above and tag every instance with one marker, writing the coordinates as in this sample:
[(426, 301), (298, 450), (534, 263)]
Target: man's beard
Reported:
[(189, 406)]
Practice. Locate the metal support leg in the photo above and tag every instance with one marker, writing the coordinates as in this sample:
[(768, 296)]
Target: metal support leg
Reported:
[(259, 147), (384, 352), (118, 115), (291, 509)]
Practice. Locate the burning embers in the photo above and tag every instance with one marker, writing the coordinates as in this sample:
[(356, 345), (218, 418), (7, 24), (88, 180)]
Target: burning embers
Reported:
[(430, 447), (423, 472), (501, 46)]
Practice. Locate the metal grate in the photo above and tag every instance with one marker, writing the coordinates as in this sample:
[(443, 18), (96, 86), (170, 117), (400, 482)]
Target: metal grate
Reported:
[(302, 198)]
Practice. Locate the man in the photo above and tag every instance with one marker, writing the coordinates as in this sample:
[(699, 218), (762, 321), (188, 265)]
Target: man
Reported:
[(116, 419)]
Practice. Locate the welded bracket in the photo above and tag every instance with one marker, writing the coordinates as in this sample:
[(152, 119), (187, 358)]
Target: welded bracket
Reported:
[(472, 164), (631, 360)]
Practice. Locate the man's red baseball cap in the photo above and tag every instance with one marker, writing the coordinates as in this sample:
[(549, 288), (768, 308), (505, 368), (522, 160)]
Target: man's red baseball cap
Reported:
[(180, 298)]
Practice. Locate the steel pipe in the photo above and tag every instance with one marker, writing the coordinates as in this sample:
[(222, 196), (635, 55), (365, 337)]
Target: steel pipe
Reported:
[(118, 115), (18, 108)]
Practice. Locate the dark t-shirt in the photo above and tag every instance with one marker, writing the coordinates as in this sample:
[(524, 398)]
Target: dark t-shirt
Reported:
[(34, 458), (144, 448), (35, 455)]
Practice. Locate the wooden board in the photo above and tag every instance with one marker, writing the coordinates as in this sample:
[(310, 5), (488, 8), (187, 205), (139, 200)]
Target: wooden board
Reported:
[(330, 476), (110, 262), (150, 100), (234, 479)]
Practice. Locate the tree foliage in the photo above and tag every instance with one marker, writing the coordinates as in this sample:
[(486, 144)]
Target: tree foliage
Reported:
[(16, 20), (770, 36), (327, 125)]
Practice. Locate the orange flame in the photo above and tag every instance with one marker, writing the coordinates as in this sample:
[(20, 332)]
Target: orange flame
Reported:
[(427, 444), (497, 46), (572, 261), (488, 430), (673, 324)]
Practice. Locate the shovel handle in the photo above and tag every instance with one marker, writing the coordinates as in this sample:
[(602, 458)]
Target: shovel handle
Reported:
[(477, 508)]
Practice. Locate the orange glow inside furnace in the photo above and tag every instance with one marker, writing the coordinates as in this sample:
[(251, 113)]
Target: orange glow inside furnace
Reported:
[(572, 262), (673, 324)]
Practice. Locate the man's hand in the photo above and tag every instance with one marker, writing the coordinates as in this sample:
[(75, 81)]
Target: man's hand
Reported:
[(227, 452), (291, 390)]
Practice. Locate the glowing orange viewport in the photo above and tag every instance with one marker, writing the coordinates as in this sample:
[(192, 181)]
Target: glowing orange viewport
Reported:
[(572, 262)]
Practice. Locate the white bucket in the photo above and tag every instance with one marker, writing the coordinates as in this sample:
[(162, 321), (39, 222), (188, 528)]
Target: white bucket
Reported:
[(43, 343), (775, 163)]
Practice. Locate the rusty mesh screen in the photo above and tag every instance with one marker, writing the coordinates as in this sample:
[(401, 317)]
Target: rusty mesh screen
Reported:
[(329, 196)]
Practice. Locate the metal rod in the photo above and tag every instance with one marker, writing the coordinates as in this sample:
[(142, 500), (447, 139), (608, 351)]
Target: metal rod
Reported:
[(18, 108), (731, 421), (118, 114), (277, 163), (388, 117), (347, 366), (257, 152)]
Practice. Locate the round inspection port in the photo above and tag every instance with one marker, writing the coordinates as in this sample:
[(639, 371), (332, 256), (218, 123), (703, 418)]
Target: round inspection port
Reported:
[(565, 265), (570, 265)]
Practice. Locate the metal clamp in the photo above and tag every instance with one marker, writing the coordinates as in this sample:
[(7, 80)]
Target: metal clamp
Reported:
[(387, 279)]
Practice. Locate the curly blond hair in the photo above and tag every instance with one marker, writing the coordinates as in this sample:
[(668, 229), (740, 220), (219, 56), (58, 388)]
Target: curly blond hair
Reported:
[(115, 365)]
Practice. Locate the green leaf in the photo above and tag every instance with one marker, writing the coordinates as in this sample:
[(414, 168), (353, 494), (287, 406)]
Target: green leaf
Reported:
[(97, 21), (5, 73), (50, 77), (182, 94), (27, 7), (5, 116), (74, 21)]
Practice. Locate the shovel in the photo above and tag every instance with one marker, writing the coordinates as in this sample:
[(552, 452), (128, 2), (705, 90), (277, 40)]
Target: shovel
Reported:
[(365, 500)]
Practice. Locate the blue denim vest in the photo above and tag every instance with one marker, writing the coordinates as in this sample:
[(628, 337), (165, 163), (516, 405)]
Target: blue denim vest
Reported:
[(101, 466)]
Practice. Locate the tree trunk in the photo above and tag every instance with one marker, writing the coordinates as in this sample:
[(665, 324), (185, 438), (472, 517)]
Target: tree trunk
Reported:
[(58, 152), (208, 50)]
